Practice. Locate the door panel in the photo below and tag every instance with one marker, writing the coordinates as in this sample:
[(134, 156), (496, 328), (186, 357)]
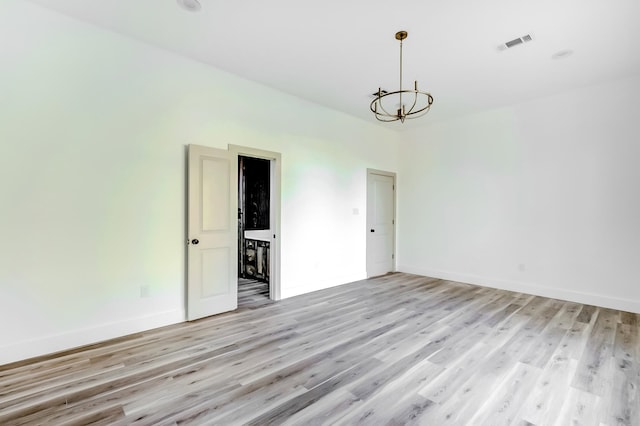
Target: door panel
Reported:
[(215, 187), (212, 285), (215, 280), (380, 223)]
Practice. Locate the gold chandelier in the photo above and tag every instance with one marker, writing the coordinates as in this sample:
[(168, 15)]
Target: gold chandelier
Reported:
[(417, 103)]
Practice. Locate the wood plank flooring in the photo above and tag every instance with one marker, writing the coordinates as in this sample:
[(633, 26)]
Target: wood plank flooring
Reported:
[(252, 293), (399, 349)]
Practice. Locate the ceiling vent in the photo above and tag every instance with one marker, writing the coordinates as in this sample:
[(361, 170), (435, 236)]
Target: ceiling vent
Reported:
[(516, 41)]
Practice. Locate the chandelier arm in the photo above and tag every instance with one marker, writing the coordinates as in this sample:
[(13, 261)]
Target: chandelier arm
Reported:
[(386, 117), (387, 121), (424, 110), (419, 114), (379, 114), (379, 103), (374, 104), (415, 101)]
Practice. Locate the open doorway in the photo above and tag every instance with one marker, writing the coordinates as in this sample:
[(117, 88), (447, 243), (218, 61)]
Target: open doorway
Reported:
[(254, 229), (258, 234)]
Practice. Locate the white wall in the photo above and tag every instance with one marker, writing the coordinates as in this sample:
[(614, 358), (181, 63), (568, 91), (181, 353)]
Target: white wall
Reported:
[(541, 197), (93, 129)]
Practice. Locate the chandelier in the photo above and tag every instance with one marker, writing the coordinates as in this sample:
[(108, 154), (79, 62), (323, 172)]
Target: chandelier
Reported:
[(405, 103)]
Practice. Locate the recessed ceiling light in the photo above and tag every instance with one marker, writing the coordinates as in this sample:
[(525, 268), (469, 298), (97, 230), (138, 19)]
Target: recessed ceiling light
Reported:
[(190, 5), (562, 54)]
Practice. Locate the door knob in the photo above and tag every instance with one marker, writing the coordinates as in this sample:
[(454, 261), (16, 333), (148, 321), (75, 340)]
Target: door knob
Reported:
[(195, 241)]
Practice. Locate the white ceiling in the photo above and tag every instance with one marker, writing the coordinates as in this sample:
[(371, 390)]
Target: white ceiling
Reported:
[(337, 52)]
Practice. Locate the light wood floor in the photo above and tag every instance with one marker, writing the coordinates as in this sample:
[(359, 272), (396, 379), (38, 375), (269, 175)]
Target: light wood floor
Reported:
[(399, 349), (252, 293)]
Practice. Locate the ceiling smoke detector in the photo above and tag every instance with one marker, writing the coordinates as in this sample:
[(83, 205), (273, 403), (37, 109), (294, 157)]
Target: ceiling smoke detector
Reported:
[(190, 5), (516, 41)]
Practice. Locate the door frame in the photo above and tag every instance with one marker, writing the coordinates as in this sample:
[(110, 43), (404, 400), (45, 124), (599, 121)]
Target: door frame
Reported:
[(392, 175), (275, 159)]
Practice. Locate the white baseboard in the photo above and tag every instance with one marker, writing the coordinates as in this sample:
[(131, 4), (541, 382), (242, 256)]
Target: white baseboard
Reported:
[(59, 342), (528, 288)]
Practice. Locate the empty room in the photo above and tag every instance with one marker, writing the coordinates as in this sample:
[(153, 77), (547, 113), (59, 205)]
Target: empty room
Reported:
[(226, 213)]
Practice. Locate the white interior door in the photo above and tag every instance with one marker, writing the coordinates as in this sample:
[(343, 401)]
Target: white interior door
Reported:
[(212, 275), (380, 223)]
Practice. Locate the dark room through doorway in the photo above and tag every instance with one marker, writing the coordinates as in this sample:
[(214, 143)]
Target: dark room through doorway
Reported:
[(254, 231)]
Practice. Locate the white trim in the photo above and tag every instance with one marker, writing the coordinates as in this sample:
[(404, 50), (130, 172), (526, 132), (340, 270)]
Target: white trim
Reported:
[(61, 342), (529, 288), (276, 197)]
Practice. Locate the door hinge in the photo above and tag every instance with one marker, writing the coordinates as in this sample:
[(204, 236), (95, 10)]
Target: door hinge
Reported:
[(393, 256)]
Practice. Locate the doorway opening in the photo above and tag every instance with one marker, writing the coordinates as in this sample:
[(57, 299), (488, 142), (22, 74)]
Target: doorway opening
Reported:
[(255, 233)]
